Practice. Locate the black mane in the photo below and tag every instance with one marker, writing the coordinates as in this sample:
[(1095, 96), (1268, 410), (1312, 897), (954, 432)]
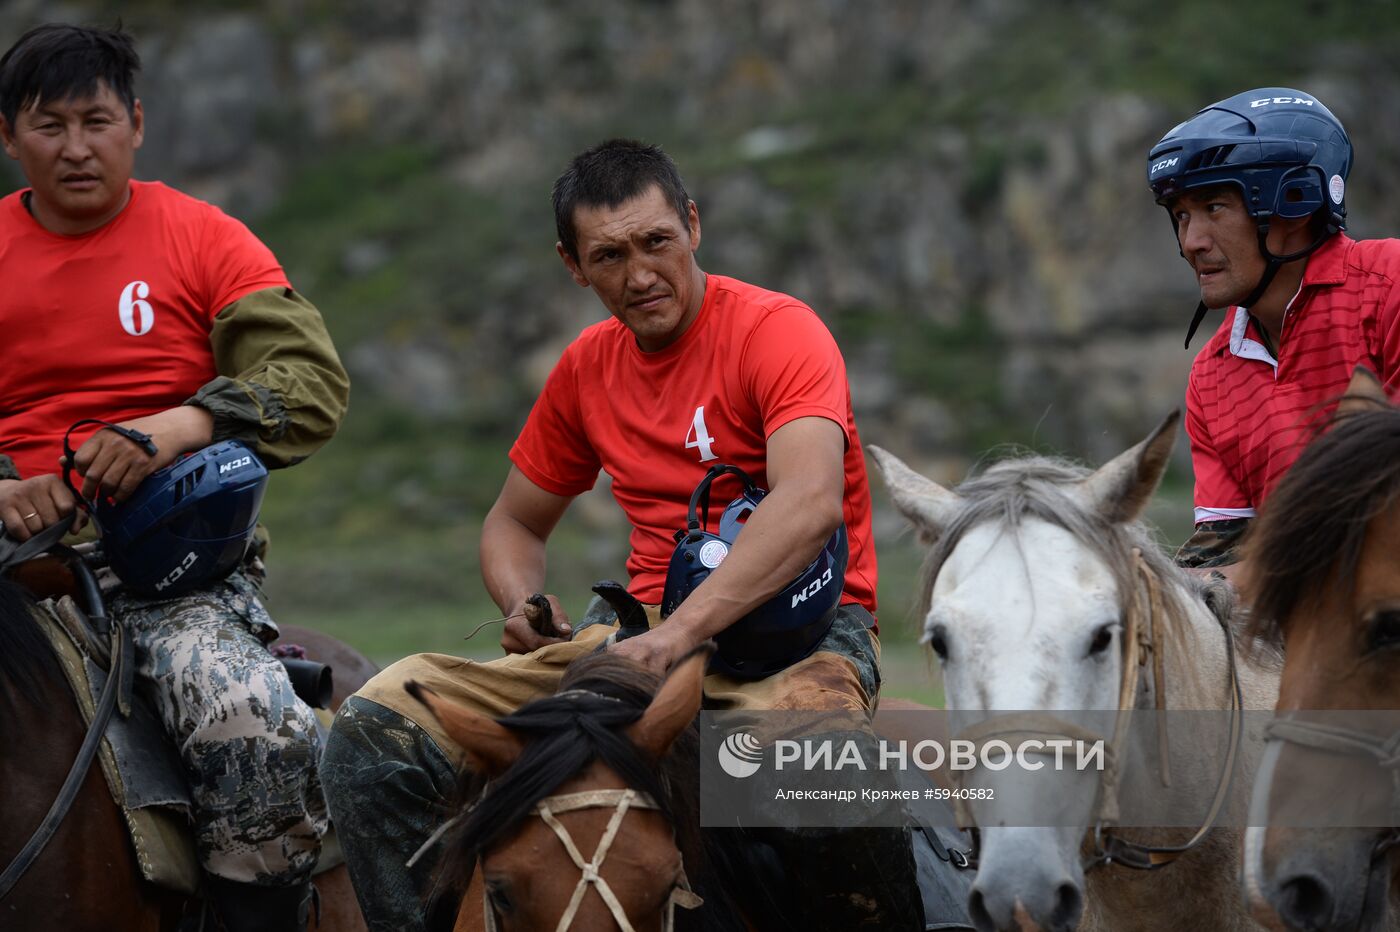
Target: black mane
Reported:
[(599, 696), (1310, 532), (27, 662)]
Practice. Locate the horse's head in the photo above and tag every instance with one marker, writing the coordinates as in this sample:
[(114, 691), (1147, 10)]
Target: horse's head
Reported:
[(1029, 584), (576, 800), (1324, 583)]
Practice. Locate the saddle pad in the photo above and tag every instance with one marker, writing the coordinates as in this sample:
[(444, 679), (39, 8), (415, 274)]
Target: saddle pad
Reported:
[(141, 769)]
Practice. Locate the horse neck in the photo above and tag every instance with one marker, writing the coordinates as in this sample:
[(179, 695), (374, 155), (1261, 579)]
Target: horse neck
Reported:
[(1196, 658)]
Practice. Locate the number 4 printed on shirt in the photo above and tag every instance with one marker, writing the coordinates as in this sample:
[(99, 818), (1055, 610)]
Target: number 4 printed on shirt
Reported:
[(699, 438)]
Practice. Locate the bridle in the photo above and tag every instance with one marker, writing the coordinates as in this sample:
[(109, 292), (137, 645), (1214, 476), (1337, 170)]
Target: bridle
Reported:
[(621, 801), (1142, 646), (1336, 739)]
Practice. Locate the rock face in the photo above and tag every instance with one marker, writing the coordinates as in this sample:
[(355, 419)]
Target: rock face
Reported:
[(956, 186)]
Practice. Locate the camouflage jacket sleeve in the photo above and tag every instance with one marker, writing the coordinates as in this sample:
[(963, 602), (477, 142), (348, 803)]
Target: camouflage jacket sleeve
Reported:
[(1215, 543), (281, 387), (7, 468)]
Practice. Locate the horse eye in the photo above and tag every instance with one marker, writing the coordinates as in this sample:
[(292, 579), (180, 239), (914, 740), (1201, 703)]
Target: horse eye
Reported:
[(1383, 629), (496, 893), (1102, 638), (938, 640)]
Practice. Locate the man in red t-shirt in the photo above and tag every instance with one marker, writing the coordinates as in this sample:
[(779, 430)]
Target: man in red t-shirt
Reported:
[(689, 371), (135, 304), (1255, 186)]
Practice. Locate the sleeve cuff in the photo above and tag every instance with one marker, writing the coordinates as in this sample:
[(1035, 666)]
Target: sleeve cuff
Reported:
[(7, 468)]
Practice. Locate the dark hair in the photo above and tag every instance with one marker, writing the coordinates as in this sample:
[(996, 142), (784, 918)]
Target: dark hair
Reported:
[(608, 175), (57, 61)]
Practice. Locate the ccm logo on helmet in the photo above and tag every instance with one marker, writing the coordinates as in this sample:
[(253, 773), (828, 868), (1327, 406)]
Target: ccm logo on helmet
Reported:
[(812, 589), (178, 571), (1165, 163), (231, 465), (1265, 101)]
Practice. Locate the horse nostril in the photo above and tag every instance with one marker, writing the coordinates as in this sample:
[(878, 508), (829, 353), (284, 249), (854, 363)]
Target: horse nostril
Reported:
[(1306, 903), (977, 911), (1068, 904)]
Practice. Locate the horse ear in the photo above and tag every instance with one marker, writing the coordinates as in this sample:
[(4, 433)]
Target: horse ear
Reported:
[(1363, 393), (1122, 487), (674, 706), (490, 747), (927, 505)]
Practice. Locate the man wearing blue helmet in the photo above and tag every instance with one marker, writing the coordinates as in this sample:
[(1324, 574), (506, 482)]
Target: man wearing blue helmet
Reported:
[(132, 303), (1255, 186)]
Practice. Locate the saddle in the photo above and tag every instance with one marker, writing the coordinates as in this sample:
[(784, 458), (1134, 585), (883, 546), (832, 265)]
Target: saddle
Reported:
[(141, 766)]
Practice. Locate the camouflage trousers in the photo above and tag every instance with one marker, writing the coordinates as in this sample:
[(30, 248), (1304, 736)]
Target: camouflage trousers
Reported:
[(248, 744)]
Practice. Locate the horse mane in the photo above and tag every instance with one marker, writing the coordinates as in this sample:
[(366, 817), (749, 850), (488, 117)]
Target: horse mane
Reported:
[(605, 694), (27, 662), (1310, 533), (1013, 490)]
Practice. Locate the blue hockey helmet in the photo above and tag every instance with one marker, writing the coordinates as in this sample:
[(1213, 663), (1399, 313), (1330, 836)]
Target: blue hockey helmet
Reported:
[(782, 630), (188, 524), (1285, 152)]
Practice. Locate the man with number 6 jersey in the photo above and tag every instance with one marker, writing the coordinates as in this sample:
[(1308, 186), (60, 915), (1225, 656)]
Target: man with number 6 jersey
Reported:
[(131, 303)]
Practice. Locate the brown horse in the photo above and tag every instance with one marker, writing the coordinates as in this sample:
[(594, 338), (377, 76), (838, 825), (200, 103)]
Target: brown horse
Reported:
[(87, 877), (1323, 576), (589, 814)]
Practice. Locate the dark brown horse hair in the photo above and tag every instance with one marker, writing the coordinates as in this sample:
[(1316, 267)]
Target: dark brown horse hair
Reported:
[(1310, 531)]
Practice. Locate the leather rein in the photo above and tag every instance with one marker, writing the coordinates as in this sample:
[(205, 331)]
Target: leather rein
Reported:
[(1142, 647), (115, 692)]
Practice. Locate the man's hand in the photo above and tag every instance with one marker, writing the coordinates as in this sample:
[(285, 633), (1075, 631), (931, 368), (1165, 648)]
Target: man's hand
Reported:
[(113, 465), (659, 648), (28, 506), (520, 638)]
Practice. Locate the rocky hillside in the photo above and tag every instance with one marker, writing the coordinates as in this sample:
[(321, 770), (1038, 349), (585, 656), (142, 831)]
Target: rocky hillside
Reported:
[(955, 185)]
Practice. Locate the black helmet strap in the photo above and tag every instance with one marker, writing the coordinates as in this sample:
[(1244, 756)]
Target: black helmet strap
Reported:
[(1274, 263), (700, 498)]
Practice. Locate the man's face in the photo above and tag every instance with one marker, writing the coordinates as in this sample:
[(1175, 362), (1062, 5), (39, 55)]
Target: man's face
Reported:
[(1221, 241), (77, 155), (639, 258)]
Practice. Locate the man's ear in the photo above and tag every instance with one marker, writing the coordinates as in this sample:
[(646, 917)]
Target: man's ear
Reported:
[(692, 219), (138, 124), (7, 134), (571, 264)]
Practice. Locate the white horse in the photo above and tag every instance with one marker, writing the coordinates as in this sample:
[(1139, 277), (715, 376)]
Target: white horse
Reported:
[(1036, 570)]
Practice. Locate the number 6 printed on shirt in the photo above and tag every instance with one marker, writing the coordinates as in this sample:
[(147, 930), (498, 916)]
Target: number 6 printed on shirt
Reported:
[(137, 315)]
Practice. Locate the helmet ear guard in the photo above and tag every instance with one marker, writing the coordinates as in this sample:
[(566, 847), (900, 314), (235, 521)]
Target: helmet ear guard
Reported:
[(784, 629)]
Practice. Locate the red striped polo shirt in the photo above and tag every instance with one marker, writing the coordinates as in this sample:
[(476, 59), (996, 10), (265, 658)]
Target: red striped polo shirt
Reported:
[(1249, 415)]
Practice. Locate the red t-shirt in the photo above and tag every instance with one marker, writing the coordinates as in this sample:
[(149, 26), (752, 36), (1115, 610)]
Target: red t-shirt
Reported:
[(752, 361), (1248, 419), (114, 324)]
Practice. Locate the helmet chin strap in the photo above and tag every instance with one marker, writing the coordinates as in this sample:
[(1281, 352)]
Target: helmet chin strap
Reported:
[(1274, 263)]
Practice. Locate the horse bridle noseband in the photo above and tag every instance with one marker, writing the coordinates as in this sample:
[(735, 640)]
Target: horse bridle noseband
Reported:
[(1141, 646), (621, 801), (1338, 740)]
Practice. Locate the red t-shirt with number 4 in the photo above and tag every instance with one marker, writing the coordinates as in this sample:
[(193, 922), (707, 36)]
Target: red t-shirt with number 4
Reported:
[(752, 361), (114, 324)]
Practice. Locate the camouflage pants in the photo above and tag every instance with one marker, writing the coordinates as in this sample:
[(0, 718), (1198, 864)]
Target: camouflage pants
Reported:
[(248, 744)]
